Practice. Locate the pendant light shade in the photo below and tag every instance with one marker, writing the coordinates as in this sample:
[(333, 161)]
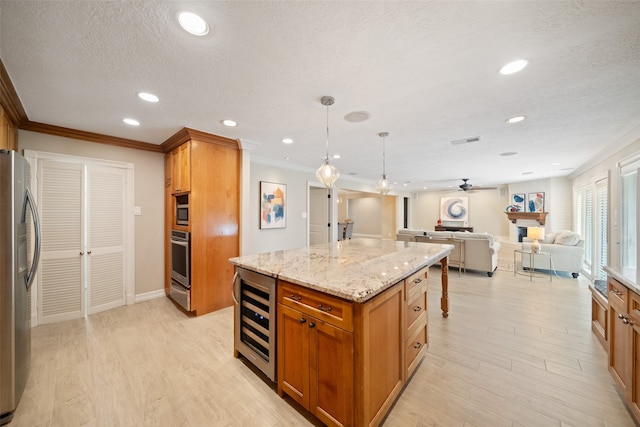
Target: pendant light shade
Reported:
[(327, 174), (383, 186)]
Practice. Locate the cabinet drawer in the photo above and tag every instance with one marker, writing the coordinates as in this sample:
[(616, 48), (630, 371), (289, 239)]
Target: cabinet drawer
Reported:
[(416, 279), (416, 306), (617, 294), (634, 307), (416, 345), (331, 309)]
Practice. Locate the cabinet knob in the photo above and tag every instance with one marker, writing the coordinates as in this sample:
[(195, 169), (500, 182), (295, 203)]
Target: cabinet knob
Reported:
[(303, 320), (81, 253), (620, 316), (312, 325), (417, 345), (417, 308)]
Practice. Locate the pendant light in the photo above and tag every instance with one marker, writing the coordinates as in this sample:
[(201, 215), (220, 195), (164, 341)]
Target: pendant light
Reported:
[(383, 186), (327, 174)]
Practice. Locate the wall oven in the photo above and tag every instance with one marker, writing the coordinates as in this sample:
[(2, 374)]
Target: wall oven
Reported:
[(180, 289), (255, 319)]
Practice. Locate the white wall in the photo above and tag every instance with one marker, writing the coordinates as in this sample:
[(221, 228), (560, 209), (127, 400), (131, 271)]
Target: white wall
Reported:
[(149, 195), (366, 213), (294, 235), (486, 209), (558, 202)]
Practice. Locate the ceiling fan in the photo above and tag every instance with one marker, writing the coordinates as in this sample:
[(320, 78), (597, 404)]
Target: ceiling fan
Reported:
[(465, 186)]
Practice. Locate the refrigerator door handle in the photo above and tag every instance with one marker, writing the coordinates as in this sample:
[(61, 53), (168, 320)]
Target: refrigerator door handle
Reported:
[(28, 278)]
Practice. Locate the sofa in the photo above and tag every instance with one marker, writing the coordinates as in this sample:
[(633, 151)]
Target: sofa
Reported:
[(566, 249), (480, 250)]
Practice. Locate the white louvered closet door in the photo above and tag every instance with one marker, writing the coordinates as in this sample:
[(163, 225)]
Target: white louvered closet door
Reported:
[(60, 195), (105, 238), (83, 239)]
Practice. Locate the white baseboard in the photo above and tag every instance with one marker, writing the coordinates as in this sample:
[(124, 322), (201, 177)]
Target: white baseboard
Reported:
[(149, 295)]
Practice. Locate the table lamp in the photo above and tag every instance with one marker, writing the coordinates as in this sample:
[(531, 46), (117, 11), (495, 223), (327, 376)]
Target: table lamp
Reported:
[(535, 233)]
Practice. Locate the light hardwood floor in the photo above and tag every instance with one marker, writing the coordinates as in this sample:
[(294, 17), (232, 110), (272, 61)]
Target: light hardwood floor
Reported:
[(512, 353)]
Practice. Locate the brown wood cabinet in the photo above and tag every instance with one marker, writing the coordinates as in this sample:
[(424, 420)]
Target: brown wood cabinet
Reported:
[(624, 342), (415, 340), (207, 168), (8, 132), (347, 362), (181, 168)]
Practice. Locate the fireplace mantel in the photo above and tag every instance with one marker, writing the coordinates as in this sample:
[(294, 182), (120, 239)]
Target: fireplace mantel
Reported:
[(535, 216)]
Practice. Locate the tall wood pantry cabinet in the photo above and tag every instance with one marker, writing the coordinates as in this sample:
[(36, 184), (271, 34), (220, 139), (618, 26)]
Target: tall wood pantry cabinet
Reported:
[(206, 169)]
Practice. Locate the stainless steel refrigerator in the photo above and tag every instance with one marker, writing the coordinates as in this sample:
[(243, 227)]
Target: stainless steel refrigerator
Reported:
[(19, 254)]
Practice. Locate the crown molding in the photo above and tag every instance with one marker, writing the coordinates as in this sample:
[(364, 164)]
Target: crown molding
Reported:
[(10, 100), (89, 136), (188, 134)]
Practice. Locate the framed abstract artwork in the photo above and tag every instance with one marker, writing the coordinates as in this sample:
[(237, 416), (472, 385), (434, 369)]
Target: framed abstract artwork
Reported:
[(535, 202), (518, 201), (273, 207), (454, 208)]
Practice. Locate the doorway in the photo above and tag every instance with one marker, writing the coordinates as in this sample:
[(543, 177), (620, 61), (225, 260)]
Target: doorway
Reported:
[(319, 215)]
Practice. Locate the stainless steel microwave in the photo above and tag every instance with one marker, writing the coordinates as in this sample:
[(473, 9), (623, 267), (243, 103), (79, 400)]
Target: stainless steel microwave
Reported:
[(182, 209)]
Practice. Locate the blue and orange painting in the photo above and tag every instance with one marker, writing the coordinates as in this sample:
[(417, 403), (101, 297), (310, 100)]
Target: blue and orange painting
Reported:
[(272, 205)]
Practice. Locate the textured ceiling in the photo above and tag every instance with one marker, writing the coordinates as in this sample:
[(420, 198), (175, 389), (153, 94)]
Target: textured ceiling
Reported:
[(427, 72)]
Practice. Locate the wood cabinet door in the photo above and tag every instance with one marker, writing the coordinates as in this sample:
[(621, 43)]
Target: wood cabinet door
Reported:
[(635, 369), (181, 168), (620, 350), (331, 372), (293, 354)]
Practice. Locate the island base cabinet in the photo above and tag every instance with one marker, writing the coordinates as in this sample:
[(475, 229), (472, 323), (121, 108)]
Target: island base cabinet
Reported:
[(315, 364), (343, 361)]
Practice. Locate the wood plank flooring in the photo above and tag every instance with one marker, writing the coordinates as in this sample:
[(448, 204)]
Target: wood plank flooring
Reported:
[(511, 353)]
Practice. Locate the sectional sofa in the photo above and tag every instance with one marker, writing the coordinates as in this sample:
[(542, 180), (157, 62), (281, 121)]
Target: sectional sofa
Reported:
[(473, 251)]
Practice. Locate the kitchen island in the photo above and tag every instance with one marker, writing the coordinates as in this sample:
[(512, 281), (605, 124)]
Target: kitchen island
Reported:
[(351, 322)]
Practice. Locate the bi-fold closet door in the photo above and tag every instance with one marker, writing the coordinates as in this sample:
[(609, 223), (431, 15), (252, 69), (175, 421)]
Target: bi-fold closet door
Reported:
[(83, 262)]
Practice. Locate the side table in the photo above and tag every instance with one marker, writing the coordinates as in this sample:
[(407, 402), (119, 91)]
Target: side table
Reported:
[(532, 258)]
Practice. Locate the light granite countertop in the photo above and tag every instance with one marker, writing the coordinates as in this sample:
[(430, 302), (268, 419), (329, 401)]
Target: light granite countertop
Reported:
[(622, 278), (356, 269)]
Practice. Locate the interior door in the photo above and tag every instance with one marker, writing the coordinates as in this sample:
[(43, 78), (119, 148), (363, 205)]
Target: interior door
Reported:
[(318, 215), (83, 220), (60, 283), (105, 238)]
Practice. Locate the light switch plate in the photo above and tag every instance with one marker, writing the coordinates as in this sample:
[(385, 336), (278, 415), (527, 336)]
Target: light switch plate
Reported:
[(137, 210)]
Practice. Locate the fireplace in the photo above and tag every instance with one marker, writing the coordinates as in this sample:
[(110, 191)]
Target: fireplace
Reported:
[(522, 232)]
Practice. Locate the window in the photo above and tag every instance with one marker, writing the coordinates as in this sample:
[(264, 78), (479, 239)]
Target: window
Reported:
[(628, 218), (601, 237)]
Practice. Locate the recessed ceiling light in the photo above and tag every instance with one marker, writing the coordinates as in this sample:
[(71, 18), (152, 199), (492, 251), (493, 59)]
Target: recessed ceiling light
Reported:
[(149, 97), (287, 141), (131, 122), (515, 119), (193, 23), (287, 158), (508, 153), (527, 173), (229, 123), (514, 67), (336, 156), (555, 164)]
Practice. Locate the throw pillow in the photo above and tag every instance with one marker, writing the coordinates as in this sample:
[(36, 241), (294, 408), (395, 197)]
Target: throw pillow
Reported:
[(549, 238), (567, 238)]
